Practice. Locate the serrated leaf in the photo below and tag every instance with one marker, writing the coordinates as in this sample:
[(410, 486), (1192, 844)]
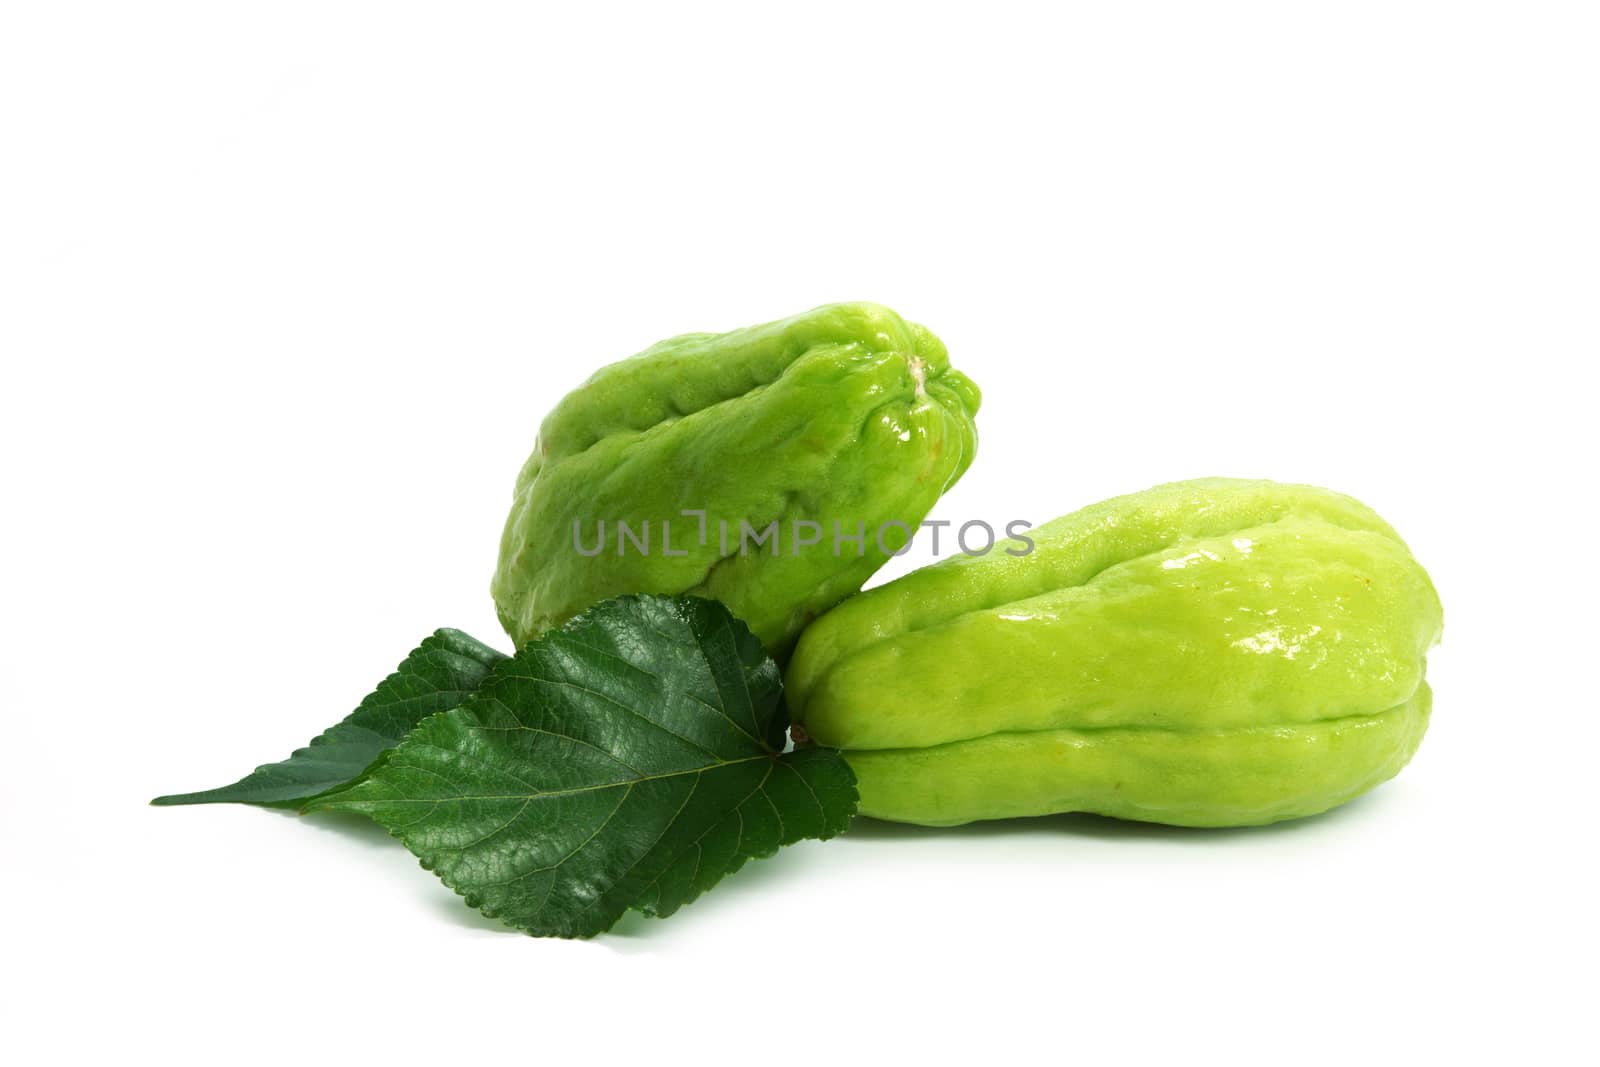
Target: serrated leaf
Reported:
[(627, 760), (435, 677)]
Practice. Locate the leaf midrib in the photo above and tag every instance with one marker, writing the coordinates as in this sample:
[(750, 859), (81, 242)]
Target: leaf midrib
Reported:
[(539, 795)]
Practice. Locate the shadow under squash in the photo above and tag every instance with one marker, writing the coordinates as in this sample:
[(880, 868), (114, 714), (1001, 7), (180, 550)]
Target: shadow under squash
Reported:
[(634, 932)]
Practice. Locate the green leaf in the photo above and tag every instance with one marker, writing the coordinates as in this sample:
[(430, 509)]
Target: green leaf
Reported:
[(437, 676), (630, 759)]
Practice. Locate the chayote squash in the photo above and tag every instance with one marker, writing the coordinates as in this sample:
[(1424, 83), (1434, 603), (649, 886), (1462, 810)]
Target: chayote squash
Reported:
[(844, 415), (1205, 653)]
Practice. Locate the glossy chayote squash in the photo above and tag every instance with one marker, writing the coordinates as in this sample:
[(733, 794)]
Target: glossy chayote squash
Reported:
[(1206, 653), (844, 415)]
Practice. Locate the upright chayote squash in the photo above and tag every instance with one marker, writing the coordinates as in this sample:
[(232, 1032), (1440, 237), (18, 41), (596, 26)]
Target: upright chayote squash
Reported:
[(1205, 653), (832, 424)]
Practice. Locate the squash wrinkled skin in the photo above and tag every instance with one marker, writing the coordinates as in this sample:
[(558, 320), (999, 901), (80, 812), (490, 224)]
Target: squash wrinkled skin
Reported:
[(1218, 652), (846, 414)]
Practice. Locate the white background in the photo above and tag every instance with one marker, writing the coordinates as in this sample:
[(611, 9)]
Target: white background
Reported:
[(285, 291)]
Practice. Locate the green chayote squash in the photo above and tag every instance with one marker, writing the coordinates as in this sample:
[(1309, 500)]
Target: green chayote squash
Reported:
[(1206, 653), (832, 424)]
